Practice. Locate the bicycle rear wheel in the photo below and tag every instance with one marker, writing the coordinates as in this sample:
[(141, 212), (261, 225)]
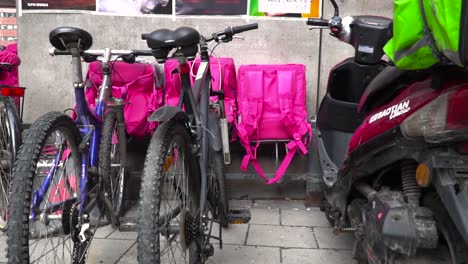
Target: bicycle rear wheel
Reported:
[(45, 195), (10, 140), (112, 166), (168, 230)]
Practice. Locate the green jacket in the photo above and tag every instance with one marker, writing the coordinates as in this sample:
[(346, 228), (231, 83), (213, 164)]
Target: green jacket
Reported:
[(411, 47)]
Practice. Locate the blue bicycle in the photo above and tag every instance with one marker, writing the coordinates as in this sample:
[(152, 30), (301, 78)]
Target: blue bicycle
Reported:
[(67, 169)]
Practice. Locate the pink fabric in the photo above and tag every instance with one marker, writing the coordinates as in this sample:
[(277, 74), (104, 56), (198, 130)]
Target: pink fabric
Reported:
[(228, 76), (135, 83), (10, 56), (272, 106)]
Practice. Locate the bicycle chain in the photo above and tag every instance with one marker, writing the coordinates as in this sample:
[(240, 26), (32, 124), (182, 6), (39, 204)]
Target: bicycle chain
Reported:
[(88, 242)]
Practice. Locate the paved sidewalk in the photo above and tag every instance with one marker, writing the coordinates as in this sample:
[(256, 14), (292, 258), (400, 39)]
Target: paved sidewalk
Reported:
[(280, 231)]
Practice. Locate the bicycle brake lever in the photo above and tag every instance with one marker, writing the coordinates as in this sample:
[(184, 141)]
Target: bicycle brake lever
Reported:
[(238, 37)]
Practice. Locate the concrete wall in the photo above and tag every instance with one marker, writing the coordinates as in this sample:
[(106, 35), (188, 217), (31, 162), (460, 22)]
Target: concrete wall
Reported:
[(276, 41)]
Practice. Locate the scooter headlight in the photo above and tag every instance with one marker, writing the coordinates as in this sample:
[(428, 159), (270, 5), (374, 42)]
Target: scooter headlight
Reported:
[(443, 119)]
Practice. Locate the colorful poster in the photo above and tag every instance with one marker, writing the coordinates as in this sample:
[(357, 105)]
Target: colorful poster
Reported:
[(87, 5), (211, 7), (135, 7), (286, 8)]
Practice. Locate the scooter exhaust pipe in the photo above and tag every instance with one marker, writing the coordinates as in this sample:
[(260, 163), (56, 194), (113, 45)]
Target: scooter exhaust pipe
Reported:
[(366, 190)]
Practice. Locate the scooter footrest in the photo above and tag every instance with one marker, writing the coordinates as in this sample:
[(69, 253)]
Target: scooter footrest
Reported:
[(239, 216), (128, 224)]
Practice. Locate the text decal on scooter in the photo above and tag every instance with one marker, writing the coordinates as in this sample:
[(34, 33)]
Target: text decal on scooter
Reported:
[(392, 111)]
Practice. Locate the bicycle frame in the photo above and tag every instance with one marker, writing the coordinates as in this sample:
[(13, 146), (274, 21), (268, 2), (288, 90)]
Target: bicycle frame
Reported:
[(196, 104), (89, 124)]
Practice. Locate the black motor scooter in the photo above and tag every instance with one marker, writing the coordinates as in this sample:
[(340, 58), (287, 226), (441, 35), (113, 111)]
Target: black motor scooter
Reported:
[(393, 149)]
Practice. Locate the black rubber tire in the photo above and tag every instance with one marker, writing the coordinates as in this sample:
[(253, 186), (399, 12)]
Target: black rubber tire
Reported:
[(150, 194), (218, 169), (12, 126), (106, 172), (447, 230), (23, 177)]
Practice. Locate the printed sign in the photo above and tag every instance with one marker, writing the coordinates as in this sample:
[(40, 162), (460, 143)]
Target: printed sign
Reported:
[(286, 8), (88, 5), (211, 7), (132, 7)]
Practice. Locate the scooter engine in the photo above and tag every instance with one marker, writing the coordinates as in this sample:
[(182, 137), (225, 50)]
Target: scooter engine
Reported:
[(387, 227)]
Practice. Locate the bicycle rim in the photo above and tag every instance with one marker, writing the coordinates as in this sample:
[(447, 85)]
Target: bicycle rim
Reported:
[(6, 163), (169, 216), (177, 208), (48, 239)]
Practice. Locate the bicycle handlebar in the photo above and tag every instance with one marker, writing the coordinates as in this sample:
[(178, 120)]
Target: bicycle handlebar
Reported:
[(240, 29), (101, 52), (226, 35)]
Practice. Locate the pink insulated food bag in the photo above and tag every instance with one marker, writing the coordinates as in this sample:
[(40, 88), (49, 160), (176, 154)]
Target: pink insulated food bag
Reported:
[(226, 81), (272, 106), (136, 84)]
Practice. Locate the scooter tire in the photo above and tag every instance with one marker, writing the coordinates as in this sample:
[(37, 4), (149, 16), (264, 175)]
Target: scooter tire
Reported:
[(447, 230)]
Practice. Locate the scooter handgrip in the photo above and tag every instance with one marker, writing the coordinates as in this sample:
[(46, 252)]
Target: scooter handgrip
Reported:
[(318, 22)]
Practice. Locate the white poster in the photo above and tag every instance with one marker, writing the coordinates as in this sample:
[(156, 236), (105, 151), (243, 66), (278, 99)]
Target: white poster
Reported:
[(284, 6)]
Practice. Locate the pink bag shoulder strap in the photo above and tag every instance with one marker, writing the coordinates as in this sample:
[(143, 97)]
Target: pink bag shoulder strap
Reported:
[(297, 128), (251, 105)]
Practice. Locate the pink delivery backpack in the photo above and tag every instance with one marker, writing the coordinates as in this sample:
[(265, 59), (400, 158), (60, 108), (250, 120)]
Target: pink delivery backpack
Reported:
[(227, 80), (272, 106), (138, 84), (9, 58)]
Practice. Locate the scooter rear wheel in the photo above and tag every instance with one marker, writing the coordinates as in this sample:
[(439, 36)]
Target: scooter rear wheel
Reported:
[(447, 230)]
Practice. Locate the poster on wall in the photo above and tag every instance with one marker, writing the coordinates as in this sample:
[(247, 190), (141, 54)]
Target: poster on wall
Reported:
[(286, 8), (135, 7), (85, 5), (211, 7)]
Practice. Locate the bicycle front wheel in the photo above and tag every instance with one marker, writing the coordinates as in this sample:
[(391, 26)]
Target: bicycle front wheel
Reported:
[(168, 230), (45, 195), (10, 140)]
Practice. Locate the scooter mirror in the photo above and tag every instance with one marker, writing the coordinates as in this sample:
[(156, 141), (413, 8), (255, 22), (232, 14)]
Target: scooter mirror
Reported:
[(337, 11)]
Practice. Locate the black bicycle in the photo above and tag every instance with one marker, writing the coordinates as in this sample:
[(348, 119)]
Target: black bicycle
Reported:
[(183, 191)]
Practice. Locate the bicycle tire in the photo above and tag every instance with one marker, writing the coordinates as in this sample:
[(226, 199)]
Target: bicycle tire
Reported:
[(10, 141), (113, 180), (159, 160), (37, 148), (217, 165)]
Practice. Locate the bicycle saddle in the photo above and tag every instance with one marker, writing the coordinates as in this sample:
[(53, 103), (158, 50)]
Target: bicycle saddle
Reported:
[(61, 37), (161, 41)]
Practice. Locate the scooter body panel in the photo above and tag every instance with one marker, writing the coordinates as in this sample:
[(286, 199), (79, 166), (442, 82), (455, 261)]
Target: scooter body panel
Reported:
[(406, 102)]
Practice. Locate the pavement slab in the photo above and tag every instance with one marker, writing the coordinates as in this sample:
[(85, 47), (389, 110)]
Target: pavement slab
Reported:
[(281, 236)]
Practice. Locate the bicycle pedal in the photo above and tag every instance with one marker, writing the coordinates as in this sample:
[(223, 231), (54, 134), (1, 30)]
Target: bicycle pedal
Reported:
[(128, 224), (208, 250), (239, 216)]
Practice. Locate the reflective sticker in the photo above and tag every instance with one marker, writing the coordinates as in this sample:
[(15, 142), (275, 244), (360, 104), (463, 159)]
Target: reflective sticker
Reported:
[(392, 111), (366, 49)]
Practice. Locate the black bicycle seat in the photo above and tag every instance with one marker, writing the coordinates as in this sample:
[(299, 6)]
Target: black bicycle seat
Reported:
[(61, 37), (165, 38)]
